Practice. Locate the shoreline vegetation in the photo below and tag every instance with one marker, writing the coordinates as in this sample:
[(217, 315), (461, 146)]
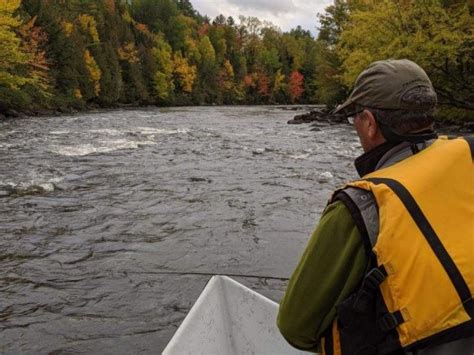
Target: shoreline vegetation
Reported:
[(62, 57)]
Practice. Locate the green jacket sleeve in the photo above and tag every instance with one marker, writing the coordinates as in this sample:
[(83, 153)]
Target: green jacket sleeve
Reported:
[(332, 265)]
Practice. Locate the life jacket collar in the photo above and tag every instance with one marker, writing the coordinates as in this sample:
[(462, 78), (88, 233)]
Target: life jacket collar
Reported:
[(367, 162)]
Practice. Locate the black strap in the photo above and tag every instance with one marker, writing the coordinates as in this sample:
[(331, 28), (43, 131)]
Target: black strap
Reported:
[(470, 141), (461, 331), (433, 240), (390, 321), (370, 285)]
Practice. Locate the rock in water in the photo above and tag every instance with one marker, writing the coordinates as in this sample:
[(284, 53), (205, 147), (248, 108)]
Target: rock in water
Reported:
[(325, 177), (321, 115)]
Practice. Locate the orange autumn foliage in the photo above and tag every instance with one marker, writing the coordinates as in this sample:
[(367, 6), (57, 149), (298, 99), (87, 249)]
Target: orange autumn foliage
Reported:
[(296, 85)]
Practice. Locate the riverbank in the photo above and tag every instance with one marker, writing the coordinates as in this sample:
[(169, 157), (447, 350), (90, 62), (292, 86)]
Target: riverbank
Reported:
[(21, 114), (318, 116), (322, 116), (61, 111)]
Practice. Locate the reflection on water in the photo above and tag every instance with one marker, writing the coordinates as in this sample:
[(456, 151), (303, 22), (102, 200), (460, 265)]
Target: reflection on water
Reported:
[(103, 215)]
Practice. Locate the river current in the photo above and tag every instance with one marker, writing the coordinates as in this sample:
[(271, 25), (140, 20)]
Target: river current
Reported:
[(112, 222)]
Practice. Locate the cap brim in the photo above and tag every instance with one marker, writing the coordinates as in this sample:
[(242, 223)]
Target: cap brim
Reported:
[(343, 107)]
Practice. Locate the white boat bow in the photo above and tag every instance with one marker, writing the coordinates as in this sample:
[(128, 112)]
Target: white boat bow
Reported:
[(229, 318)]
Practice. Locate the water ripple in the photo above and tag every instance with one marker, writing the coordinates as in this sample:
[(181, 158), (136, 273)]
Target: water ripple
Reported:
[(95, 208)]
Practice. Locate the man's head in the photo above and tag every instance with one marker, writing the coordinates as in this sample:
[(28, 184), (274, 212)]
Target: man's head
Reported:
[(392, 100)]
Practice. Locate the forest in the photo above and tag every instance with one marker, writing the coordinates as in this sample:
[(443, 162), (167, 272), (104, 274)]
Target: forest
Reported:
[(63, 55)]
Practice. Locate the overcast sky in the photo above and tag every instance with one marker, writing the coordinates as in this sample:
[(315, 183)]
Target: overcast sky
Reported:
[(286, 14)]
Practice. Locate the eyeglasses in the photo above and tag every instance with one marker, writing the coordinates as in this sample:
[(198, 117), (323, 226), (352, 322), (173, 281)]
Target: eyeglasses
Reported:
[(352, 116)]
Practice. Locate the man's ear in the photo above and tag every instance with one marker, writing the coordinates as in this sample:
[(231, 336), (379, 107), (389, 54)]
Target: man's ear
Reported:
[(372, 126)]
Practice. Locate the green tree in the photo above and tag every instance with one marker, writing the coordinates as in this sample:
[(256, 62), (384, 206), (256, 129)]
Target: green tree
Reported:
[(327, 64), (163, 77), (438, 37), (12, 59)]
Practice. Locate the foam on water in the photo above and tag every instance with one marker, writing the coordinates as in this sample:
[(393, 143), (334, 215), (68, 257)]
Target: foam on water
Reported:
[(104, 147), (151, 130), (299, 156), (115, 132), (108, 131), (38, 185)]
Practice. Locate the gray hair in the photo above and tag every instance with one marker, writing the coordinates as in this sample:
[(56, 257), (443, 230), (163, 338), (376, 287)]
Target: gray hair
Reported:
[(408, 121)]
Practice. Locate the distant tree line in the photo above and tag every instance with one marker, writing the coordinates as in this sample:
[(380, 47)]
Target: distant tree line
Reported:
[(57, 54), (81, 53)]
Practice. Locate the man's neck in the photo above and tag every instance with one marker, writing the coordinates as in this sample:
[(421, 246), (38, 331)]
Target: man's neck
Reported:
[(367, 162)]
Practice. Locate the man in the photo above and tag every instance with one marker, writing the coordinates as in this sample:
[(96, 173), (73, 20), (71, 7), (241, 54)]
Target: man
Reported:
[(389, 269)]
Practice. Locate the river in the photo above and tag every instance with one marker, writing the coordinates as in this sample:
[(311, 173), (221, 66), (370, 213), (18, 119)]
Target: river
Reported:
[(106, 217)]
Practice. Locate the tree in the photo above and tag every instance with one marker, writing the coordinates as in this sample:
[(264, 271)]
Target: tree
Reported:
[(34, 39), (295, 85), (208, 54), (332, 21), (94, 71), (154, 13), (279, 87), (263, 86), (327, 64), (226, 83), (74, 53), (185, 74), (163, 77), (437, 37), (11, 55), (88, 26)]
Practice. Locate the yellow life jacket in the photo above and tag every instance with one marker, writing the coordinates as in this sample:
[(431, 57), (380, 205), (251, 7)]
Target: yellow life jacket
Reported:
[(424, 254)]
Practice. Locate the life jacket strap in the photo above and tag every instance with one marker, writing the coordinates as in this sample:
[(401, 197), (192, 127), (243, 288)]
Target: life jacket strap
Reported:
[(370, 285), (390, 321)]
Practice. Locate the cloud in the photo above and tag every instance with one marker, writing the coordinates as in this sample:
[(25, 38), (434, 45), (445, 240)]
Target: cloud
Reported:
[(286, 14), (270, 6)]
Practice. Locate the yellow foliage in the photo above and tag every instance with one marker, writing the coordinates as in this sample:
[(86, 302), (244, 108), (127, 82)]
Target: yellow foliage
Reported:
[(226, 76), (94, 71), (422, 31), (279, 81), (126, 17), (89, 26), (208, 53), (163, 77), (128, 53), (68, 28), (437, 36), (9, 6), (11, 55), (185, 73), (192, 50), (33, 40), (77, 94), (163, 85), (229, 69)]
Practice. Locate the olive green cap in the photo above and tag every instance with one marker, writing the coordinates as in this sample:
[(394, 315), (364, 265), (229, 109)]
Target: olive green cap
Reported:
[(385, 84)]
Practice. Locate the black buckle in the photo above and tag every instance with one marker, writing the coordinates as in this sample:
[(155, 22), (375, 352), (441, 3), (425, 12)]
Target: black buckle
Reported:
[(390, 321), (374, 278), (367, 292)]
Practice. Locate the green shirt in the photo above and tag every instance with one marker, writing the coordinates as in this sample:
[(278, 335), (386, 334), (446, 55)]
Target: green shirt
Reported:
[(332, 265)]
